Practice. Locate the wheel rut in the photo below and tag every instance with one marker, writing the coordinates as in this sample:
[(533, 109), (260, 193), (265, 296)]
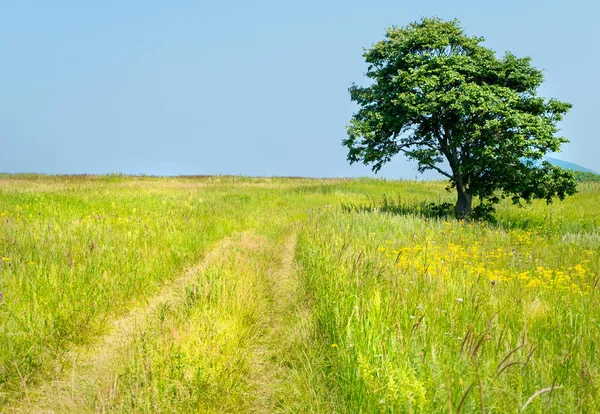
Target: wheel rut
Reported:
[(92, 367), (270, 367), (90, 383)]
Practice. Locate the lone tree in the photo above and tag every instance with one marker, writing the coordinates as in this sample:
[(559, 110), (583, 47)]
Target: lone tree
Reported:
[(444, 100)]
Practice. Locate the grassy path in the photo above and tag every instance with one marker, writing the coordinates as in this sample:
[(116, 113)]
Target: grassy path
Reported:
[(92, 372), (271, 361), (235, 350), (264, 330)]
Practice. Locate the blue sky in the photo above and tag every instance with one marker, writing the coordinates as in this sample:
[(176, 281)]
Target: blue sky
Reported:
[(243, 87)]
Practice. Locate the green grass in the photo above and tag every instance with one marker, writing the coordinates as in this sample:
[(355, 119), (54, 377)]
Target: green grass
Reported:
[(384, 309), (413, 314)]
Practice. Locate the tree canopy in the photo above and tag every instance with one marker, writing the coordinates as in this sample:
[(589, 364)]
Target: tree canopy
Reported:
[(443, 99)]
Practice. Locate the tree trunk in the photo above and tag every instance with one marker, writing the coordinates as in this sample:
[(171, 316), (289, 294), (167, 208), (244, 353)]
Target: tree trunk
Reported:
[(464, 203)]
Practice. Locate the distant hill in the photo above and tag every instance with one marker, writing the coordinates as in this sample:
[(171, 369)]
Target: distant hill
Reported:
[(569, 165)]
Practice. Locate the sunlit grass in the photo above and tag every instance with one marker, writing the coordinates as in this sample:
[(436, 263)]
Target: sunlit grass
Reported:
[(389, 309), (428, 315)]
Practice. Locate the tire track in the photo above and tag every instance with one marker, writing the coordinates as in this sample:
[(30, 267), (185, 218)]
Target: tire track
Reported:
[(91, 376), (271, 368)]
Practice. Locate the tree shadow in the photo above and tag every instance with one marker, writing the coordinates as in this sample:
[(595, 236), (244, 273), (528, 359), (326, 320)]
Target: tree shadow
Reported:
[(421, 209)]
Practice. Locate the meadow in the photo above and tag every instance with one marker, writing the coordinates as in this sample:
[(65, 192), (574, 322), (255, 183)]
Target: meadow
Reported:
[(235, 294)]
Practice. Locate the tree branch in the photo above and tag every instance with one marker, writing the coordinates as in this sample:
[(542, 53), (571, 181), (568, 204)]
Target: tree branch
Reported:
[(433, 167), (414, 143)]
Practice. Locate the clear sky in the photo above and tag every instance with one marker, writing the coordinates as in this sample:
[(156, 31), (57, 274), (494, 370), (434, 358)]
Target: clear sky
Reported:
[(244, 87)]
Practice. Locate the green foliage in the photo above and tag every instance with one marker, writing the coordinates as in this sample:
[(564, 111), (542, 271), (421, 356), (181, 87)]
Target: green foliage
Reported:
[(441, 98)]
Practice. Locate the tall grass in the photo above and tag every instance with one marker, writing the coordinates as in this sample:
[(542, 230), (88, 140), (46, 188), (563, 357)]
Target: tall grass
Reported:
[(386, 309), (425, 315), (217, 353), (76, 258)]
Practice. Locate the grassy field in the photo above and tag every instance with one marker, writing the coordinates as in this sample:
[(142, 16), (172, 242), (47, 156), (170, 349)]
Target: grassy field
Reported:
[(232, 294)]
